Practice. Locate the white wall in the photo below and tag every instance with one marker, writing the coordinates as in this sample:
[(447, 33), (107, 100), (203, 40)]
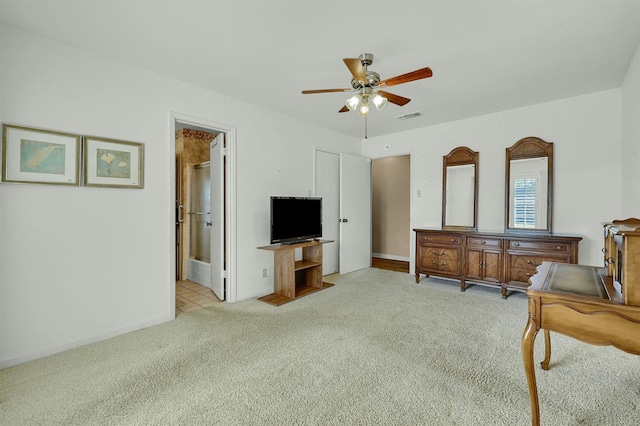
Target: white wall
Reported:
[(631, 140), (586, 134), (81, 264)]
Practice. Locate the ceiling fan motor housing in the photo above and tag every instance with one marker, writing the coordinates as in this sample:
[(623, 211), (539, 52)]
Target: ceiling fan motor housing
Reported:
[(373, 78), (366, 59)]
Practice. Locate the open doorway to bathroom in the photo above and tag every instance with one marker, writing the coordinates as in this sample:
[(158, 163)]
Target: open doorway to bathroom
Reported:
[(193, 219), (204, 188)]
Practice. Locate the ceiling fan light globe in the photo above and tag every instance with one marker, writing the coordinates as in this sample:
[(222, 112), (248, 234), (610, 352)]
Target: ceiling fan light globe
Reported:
[(379, 101), (364, 109), (352, 102)]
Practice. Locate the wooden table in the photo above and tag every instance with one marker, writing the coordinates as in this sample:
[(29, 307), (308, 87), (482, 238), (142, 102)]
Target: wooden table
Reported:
[(580, 302)]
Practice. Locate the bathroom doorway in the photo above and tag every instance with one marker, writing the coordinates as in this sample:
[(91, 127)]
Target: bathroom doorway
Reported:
[(193, 205), (204, 193)]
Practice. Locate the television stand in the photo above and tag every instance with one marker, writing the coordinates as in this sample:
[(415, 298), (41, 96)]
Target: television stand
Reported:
[(285, 267)]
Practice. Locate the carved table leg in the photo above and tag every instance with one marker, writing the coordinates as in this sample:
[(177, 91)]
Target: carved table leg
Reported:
[(547, 350), (417, 278), (463, 285), (528, 340)]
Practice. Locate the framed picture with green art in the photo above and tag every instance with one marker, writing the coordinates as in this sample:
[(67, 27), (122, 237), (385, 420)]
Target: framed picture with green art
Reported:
[(113, 163), (32, 155)]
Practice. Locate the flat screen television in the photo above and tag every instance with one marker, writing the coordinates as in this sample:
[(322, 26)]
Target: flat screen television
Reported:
[(295, 219)]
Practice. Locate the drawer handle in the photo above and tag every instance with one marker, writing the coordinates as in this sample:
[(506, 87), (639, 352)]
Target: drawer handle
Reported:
[(453, 240), (529, 262), (483, 242), (528, 274), (438, 264), (438, 254), (558, 247), (611, 261), (604, 250), (516, 244)]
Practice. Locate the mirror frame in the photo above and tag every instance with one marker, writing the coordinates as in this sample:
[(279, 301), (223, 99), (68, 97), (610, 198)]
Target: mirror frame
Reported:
[(529, 147), (460, 156)]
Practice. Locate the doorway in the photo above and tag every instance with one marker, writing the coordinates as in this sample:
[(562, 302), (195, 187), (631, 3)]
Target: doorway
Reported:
[(193, 205), (391, 199), (188, 164)]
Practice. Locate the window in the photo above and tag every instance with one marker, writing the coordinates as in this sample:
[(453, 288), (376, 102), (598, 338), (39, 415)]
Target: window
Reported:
[(524, 202)]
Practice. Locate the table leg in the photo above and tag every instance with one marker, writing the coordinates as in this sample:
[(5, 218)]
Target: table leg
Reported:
[(547, 350), (528, 340)]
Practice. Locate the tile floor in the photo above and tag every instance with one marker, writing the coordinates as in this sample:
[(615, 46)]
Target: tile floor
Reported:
[(191, 296)]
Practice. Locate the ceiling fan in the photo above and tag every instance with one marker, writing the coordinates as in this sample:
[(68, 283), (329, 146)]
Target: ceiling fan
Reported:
[(367, 84)]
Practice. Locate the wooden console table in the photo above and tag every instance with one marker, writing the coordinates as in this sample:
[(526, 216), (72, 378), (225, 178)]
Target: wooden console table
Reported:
[(580, 302), (284, 271)]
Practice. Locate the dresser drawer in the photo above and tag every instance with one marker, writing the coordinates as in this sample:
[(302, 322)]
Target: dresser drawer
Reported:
[(427, 253), (442, 266), (530, 262), (439, 260), (484, 242), (545, 246), (439, 239), (522, 267), (521, 275)]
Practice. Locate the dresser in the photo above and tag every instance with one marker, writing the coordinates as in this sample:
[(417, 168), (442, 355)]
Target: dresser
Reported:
[(503, 260)]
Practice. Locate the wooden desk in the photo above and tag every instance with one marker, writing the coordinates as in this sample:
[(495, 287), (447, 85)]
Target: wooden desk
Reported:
[(580, 302)]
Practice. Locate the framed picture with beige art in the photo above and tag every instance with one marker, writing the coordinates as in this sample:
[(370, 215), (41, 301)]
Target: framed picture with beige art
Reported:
[(31, 155), (113, 163)]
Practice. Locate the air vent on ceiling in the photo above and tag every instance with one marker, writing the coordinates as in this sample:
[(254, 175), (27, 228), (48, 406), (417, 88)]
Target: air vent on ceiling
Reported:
[(410, 115)]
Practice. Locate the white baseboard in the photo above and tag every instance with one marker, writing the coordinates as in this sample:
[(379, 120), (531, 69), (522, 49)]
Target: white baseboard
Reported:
[(390, 257), (21, 359)]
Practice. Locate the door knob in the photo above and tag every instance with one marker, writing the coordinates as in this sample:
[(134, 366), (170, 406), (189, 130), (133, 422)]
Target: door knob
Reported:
[(344, 220), (207, 223)]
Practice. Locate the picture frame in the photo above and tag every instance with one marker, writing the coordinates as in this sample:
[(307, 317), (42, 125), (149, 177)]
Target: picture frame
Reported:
[(113, 163), (31, 155)]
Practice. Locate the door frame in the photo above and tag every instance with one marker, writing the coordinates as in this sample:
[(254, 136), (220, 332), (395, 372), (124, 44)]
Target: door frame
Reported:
[(230, 199), (412, 193)]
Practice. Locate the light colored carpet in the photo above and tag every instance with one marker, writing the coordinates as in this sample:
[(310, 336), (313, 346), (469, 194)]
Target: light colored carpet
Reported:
[(375, 349)]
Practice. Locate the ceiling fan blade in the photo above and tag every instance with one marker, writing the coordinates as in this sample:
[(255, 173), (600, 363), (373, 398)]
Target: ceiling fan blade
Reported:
[(308, 92), (344, 109), (357, 70), (405, 78), (394, 99)]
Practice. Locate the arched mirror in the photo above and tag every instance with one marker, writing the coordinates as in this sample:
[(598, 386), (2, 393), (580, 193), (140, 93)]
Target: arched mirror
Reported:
[(529, 186), (460, 189)]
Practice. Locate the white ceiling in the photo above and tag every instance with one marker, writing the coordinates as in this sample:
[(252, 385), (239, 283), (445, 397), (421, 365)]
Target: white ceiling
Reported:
[(486, 55)]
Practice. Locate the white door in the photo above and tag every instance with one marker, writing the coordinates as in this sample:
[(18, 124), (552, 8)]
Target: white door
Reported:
[(355, 213), (216, 161), (328, 188)]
